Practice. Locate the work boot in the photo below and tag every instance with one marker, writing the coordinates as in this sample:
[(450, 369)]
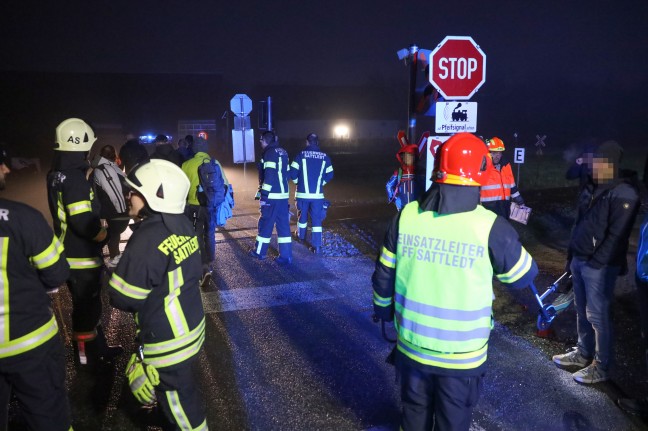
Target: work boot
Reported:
[(571, 358), (283, 260), (635, 406), (255, 255)]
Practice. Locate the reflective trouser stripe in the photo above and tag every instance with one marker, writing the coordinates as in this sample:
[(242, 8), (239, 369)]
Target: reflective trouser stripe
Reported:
[(29, 341)]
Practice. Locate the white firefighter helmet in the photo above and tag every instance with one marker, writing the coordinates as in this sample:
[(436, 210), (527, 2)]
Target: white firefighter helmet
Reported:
[(74, 134), (163, 185)]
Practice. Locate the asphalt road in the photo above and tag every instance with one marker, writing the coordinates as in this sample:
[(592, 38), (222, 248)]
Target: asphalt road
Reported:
[(295, 348)]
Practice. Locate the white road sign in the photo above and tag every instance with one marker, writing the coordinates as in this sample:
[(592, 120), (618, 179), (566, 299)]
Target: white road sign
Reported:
[(241, 105)]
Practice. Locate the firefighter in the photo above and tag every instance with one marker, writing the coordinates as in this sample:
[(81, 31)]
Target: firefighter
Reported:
[(75, 215), (157, 279), (401, 186), (274, 172), (32, 355), (311, 171), (434, 276), (499, 187)]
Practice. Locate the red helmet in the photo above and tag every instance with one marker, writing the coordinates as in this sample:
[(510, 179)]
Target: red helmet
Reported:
[(462, 161), (495, 144)]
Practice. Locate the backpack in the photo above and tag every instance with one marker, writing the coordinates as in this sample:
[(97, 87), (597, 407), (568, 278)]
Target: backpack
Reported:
[(211, 187)]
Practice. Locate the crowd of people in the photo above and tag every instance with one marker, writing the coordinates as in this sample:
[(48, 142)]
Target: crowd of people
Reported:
[(178, 196)]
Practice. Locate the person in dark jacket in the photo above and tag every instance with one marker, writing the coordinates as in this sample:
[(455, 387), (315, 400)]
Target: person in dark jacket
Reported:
[(274, 172), (75, 215), (607, 208), (157, 279), (311, 171), (32, 355), (132, 153), (164, 150)]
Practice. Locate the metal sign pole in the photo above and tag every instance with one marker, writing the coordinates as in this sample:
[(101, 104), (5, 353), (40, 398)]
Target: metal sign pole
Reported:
[(242, 116)]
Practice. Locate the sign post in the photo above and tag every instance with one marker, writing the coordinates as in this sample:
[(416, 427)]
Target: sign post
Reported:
[(241, 105), (457, 67)]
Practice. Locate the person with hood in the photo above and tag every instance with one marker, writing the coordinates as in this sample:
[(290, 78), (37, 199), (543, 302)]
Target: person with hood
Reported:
[(607, 208), (434, 279), (78, 226), (157, 279), (32, 354), (164, 150), (108, 178), (499, 189), (402, 187), (311, 170)]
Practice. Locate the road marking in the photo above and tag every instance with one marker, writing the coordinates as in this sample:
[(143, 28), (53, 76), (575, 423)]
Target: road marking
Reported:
[(268, 296)]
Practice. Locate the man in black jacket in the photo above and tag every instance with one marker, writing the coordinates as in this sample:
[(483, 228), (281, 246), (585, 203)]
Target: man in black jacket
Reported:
[(607, 208)]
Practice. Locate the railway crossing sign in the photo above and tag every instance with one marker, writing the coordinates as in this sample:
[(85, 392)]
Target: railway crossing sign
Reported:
[(457, 67)]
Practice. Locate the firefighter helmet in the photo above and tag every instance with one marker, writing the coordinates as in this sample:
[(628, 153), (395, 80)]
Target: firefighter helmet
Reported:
[(495, 144), (462, 161), (162, 184), (74, 134)]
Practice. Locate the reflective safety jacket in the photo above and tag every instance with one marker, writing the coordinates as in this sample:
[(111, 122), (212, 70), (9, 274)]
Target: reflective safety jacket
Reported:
[(274, 172), (31, 262), (500, 184), (434, 276), (75, 213), (158, 278), (311, 171)]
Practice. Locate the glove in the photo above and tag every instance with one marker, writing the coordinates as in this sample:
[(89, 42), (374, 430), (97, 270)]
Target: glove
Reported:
[(257, 196), (398, 203), (142, 379), (518, 200)]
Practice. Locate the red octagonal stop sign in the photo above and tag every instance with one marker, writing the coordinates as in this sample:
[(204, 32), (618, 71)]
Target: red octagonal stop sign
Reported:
[(457, 67)]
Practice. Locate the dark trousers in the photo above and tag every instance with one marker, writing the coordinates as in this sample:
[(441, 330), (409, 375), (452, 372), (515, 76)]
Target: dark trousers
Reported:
[(315, 209), (115, 228), (445, 402), (179, 399), (274, 212), (204, 223), (37, 378), (85, 289)]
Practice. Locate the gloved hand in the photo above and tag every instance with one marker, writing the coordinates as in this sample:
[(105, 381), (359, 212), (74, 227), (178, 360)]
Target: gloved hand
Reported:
[(398, 203), (568, 265), (518, 200), (142, 379), (257, 196)]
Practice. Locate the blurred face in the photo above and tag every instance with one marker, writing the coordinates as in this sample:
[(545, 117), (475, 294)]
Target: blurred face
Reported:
[(603, 171), (496, 156), (4, 170), (135, 204), (408, 159)]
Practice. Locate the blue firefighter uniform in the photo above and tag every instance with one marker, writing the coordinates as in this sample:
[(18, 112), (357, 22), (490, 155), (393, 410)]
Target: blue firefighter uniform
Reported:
[(274, 207), (434, 278), (158, 279), (311, 170), (32, 356)]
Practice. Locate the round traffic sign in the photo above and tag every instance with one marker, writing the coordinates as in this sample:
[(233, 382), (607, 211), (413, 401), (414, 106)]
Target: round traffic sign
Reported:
[(457, 67)]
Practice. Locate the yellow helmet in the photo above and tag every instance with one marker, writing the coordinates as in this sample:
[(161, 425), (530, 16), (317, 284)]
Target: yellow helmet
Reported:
[(74, 134)]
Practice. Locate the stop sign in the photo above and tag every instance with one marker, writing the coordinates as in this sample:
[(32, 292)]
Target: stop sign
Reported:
[(457, 67)]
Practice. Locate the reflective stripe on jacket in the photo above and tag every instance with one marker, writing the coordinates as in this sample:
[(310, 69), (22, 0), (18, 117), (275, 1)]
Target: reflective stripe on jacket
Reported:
[(498, 185), (311, 171), (444, 290)]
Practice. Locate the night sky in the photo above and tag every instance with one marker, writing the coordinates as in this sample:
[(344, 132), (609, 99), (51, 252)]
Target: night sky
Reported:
[(567, 56)]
